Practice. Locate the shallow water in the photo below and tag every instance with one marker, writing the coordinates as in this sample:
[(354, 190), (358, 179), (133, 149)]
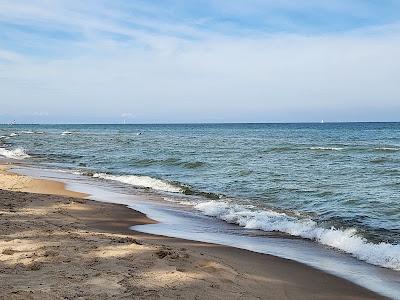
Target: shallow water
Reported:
[(335, 184), (183, 222)]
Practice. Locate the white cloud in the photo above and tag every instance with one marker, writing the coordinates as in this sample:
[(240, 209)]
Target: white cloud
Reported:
[(159, 73)]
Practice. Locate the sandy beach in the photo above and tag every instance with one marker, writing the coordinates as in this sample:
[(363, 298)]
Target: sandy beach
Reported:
[(55, 244), (199, 149)]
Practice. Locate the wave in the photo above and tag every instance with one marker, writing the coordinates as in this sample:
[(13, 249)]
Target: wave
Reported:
[(32, 132), (382, 254), (193, 164), (186, 190), (17, 153), (62, 156), (278, 149), (151, 183), (387, 149), (167, 162), (66, 133), (326, 148), (145, 162), (142, 181), (13, 134), (379, 160)]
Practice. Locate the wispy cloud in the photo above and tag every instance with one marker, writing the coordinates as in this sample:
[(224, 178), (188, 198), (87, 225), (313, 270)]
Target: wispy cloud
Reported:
[(76, 24), (204, 60), (10, 57)]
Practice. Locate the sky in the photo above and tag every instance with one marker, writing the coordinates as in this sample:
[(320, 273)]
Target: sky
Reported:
[(74, 61)]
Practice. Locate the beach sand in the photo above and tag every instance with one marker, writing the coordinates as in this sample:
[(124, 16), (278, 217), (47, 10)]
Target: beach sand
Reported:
[(54, 244)]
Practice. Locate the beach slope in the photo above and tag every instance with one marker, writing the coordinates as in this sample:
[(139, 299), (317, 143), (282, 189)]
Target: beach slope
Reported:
[(55, 244)]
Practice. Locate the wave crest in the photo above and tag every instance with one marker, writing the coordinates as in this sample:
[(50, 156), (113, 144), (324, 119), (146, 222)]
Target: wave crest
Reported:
[(387, 149), (151, 183), (326, 148), (142, 181), (17, 153), (382, 254)]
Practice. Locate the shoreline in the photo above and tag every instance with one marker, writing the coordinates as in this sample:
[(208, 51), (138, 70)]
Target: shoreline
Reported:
[(213, 270)]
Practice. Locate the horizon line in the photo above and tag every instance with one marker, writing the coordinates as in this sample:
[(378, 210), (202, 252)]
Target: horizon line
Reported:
[(203, 123)]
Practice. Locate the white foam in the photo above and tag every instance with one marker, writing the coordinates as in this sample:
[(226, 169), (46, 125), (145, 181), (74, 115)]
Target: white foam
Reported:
[(28, 132), (17, 153), (2, 136), (326, 148), (141, 181), (382, 254), (77, 173), (70, 172), (13, 134), (66, 133), (387, 149), (184, 202)]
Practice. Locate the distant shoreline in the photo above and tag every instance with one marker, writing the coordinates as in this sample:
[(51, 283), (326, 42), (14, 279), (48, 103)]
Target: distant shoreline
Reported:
[(203, 123)]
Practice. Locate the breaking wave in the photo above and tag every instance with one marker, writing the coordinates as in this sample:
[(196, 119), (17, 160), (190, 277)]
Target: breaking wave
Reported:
[(17, 153), (326, 148), (151, 183), (142, 181), (387, 149), (66, 133), (382, 254)]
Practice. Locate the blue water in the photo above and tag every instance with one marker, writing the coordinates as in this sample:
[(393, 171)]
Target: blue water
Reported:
[(337, 184)]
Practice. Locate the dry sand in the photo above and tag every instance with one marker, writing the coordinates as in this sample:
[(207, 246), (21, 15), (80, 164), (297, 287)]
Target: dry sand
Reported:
[(56, 245)]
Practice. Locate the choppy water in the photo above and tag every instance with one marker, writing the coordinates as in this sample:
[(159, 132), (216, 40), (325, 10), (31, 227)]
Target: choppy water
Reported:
[(336, 184)]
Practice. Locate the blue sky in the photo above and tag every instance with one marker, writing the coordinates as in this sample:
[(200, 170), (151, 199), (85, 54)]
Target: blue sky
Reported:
[(199, 61)]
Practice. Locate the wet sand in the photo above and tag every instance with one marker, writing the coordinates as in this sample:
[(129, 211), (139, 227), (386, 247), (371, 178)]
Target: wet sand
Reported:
[(55, 244)]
